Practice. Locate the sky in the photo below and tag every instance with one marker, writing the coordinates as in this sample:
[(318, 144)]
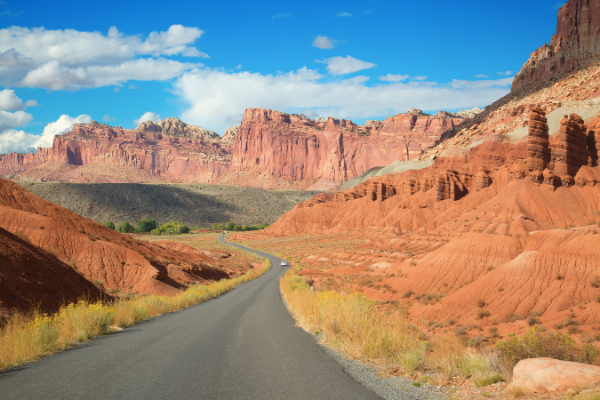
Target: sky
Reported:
[(123, 63)]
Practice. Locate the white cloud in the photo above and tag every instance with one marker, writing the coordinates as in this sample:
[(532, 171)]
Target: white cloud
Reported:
[(19, 141), (10, 120), (9, 101), (346, 65), (420, 78), (32, 103), (216, 99), (343, 14), (70, 59), (393, 78), (506, 73), (108, 118), (54, 76), (117, 89), (481, 76), (283, 15), (239, 66), (147, 116), (132, 87), (323, 42)]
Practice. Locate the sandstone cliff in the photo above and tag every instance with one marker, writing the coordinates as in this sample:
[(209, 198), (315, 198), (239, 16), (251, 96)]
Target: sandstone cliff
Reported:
[(273, 149), (576, 44), (168, 151)]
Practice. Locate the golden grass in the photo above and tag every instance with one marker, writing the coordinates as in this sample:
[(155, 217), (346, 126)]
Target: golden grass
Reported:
[(29, 337), (353, 325)]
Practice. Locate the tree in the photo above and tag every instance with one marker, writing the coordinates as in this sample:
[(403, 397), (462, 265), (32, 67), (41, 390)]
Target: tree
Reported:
[(229, 226), (125, 227), (172, 226), (109, 225), (237, 228), (146, 225)]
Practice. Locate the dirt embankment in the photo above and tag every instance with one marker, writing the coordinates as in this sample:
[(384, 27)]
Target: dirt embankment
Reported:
[(48, 249)]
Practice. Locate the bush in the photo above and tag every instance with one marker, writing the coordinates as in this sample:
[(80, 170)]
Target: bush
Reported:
[(556, 345), (125, 227), (171, 227), (109, 225), (146, 225), (229, 226)]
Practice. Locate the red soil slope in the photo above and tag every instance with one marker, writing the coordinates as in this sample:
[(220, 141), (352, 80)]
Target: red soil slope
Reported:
[(31, 277), (98, 253), (496, 225)]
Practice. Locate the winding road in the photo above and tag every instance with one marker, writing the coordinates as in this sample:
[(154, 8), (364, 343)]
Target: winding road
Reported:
[(240, 345)]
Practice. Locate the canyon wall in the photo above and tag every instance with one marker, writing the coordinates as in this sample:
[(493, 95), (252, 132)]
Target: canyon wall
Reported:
[(575, 45), (273, 149), (169, 151)]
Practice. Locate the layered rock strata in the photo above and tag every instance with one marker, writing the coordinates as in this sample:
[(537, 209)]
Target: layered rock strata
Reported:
[(293, 148), (576, 44), (571, 153), (168, 151), (538, 149)]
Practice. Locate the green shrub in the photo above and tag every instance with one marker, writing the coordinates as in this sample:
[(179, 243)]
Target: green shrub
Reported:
[(109, 225), (146, 225), (229, 226), (171, 228), (556, 345), (125, 227)]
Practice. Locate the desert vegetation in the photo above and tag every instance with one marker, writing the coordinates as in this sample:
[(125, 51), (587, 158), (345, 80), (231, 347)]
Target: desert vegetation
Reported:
[(366, 330), (26, 337)]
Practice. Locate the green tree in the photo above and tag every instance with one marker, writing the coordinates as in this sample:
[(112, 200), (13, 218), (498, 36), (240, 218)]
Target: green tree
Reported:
[(146, 225), (125, 227), (172, 226), (229, 226), (110, 225), (237, 228)]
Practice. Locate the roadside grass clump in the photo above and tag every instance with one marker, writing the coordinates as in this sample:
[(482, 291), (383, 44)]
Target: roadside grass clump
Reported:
[(534, 344), (26, 337), (350, 323)]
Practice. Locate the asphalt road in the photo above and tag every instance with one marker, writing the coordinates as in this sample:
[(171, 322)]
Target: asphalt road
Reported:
[(241, 345)]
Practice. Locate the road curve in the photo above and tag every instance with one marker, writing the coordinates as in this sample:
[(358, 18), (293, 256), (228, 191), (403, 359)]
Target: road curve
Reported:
[(240, 345)]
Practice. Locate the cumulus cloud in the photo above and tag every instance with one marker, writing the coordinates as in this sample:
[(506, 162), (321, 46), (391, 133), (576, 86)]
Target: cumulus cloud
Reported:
[(323, 42), (71, 59), (283, 15), (147, 116), (12, 140), (216, 99), (343, 14), (481, 76), (9, 101), (393, 78), (505, 73), (32, 103), (346, 65), (108, 118)]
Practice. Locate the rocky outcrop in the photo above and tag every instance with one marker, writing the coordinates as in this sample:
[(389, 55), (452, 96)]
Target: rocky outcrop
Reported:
[(230, 134), (538, 149), (576, 44), (294, 148), (168, 151), (571, 153), (176, 127)]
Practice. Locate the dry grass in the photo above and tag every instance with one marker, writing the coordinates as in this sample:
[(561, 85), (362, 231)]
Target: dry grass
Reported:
[(351, 324), (29, 337)]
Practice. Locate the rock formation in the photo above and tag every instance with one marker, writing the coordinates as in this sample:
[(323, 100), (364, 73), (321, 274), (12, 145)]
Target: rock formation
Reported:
[(274, 149), (571, 153), (538, 149), (154, 152), (576, 44)]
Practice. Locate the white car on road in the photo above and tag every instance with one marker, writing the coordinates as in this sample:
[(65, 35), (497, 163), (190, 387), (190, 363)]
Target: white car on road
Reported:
[(284, 264)]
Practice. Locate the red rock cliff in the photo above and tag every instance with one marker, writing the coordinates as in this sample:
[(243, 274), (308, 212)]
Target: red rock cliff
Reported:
[(100, 153), (575, 44), (294, 148)]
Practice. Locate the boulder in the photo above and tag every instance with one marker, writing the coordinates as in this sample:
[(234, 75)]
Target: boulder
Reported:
[(542, 375)]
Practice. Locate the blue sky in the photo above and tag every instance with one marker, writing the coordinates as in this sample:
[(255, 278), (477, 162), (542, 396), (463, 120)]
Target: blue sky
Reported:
[(205, 62)]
